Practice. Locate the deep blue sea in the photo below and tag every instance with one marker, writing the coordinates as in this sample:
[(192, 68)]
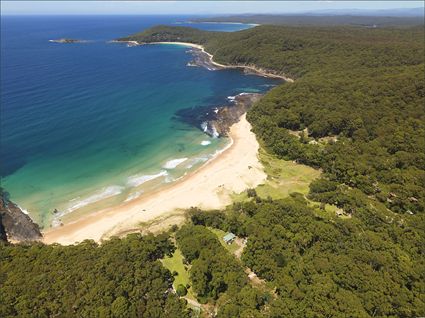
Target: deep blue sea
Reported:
[(94, 123)]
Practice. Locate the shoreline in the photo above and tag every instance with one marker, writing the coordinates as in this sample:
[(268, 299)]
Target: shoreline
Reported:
[(233, 170), (252, 68)]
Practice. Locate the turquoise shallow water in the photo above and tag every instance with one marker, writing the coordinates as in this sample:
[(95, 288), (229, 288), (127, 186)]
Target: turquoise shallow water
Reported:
[(86, 122)]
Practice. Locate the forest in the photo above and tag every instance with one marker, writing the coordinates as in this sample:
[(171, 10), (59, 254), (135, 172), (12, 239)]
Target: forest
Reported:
[(320, 266), (119, 278), (356, 112), (309, 265)]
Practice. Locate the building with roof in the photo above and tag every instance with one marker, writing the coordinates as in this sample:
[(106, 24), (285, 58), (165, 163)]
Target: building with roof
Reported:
[(229, 238)]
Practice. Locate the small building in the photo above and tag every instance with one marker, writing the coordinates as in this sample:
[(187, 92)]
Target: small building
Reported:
[(229, 238)]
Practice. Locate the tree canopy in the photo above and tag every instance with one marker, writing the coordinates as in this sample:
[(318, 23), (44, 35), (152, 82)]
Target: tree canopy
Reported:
[(119, 278)]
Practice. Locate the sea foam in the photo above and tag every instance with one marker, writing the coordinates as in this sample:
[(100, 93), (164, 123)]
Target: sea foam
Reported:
[(171, 164), (23, 210), (135, 181), (97, 196), (231, 98), (195, 161), (205, 142), (133, 196), (212, 132)]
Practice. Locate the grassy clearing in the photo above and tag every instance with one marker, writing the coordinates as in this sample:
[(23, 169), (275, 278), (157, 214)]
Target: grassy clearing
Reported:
[(328, 211), (283, 178), (232, 248), (175, 263)]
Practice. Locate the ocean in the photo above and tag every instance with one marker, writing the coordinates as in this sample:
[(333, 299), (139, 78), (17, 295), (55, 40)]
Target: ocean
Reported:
[(94, 124)]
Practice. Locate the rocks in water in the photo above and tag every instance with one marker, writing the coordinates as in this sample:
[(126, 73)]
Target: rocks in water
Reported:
[(216, 120), (224, 117), (202, 59), (15, 225), (65, 40)]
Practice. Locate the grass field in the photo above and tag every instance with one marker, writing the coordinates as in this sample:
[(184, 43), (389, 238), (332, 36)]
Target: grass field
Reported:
[(175, 263), (283, 178)]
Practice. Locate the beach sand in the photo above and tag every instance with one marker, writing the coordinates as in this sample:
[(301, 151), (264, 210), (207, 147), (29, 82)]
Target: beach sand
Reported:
[(209, 187)]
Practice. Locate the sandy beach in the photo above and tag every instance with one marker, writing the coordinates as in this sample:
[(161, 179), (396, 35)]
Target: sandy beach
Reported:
[(234, 170)]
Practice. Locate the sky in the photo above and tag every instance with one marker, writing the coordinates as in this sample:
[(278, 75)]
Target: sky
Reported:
[(193, 7)]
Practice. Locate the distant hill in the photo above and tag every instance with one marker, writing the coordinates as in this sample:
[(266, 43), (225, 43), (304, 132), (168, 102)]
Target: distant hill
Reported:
[(382, 18), (398, 12)]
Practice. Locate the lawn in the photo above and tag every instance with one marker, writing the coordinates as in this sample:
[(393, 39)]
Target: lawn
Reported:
[(175, 263)]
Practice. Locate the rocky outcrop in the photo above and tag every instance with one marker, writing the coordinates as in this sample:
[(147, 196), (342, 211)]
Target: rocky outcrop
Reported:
[(15, 225), (220, 121), (204, 59), (228, 115), (3, 235), (215, 120)]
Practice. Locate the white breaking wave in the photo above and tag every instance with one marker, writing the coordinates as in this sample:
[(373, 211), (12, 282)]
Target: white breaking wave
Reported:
[(233, 98), (56, 223), (133, 196), (195, 161), (215, 134), (169, 179), (23, 210), (100, 195), (205, 142), (204, 126), (135, 181), (213, 131), (171, 164)]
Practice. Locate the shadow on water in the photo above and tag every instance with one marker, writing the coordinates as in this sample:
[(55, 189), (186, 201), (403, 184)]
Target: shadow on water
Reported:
[(11, 160), (195, 116)]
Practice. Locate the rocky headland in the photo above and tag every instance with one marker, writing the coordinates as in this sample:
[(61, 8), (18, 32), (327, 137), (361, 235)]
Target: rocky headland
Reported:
[(222, 118), (216, 120), (15, 225), (204, 59)]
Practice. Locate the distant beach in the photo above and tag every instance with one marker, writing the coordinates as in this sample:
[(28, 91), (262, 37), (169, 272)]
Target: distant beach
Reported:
[(235, 169)]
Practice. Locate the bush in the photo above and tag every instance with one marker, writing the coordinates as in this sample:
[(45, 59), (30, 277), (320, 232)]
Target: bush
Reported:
[(181, 290), (251, 193)]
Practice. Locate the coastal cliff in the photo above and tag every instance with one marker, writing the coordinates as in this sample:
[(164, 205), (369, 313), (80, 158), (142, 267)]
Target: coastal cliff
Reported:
[(15, 225)]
